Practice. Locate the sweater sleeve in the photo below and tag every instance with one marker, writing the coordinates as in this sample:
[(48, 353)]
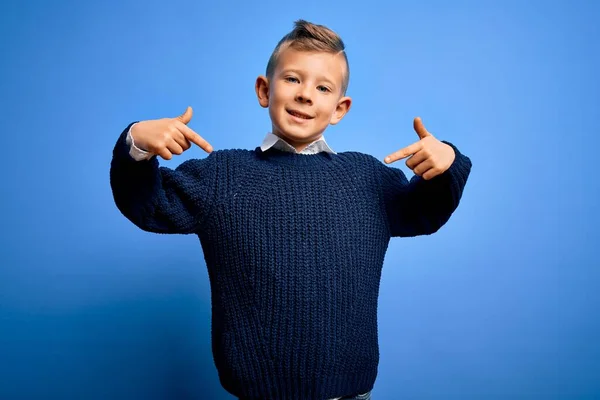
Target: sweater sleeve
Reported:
[(419, 206), (160, 199)]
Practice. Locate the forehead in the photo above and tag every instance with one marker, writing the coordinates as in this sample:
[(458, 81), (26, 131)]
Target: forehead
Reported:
[(318, 63)]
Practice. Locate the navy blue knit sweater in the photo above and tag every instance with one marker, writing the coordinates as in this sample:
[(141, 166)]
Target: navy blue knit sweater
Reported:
[(294, 245)]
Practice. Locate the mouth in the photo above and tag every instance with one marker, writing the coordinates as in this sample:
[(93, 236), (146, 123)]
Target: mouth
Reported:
[(299, 114)]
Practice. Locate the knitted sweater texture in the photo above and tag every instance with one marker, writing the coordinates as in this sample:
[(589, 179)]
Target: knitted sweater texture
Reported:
[(294, 245)]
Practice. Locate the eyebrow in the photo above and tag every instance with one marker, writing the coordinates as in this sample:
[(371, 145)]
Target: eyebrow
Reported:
[(321, 78)]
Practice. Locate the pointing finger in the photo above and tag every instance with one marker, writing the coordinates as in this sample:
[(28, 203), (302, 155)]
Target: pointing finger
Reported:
[(403, 153), (201, 142), (194, 137)]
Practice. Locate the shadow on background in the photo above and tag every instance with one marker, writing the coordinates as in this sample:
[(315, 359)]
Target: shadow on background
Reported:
[(142, 346)]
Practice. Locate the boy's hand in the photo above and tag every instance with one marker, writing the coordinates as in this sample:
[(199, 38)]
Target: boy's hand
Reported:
[(430, 157), (167, 136)]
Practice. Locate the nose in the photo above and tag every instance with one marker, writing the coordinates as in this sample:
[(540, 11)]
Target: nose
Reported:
[(303, 95)]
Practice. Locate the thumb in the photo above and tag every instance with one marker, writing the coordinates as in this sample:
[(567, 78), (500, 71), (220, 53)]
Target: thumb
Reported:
[(186, 116), (420, 128)]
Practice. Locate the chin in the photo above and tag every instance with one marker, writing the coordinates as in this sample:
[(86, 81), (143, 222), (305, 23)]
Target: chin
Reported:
[(300, 137)]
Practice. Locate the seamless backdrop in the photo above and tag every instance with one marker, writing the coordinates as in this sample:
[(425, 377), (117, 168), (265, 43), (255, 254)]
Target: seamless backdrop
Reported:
[(502, 303)]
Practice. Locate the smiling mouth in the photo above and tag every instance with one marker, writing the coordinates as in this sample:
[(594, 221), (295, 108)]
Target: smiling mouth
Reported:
[(299, 114)]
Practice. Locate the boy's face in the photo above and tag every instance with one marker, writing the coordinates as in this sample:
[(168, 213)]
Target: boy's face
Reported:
[(304, 95)]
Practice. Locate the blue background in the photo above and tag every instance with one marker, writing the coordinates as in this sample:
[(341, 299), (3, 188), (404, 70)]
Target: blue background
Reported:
[(502, 303)]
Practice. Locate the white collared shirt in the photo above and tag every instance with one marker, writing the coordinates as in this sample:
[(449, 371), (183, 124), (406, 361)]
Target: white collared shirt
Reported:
[(274, 141), (270, 141)]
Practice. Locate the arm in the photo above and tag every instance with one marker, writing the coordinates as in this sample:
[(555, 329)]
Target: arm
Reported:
[(419, 206), (159, 199)]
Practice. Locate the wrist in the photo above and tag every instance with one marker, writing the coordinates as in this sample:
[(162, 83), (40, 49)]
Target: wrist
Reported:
[(135, 138)]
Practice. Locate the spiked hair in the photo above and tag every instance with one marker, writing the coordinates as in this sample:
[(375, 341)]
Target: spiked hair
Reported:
[(310, 37)]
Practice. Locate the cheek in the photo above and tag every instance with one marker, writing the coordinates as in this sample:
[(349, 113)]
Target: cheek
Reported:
[(273, 113), (279, 94), (329, 110), (275, 101)]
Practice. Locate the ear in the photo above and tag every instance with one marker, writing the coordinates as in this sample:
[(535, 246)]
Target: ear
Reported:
[(262, 91), (341, 109)]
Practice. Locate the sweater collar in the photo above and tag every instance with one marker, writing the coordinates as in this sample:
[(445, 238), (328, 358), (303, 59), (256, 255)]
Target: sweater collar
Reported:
[(273, 141)]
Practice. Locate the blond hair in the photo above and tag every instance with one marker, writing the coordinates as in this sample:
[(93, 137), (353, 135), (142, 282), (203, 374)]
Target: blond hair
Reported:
[(307, 36)]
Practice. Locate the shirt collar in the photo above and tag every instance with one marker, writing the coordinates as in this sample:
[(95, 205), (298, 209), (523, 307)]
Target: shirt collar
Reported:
[(273, 141)]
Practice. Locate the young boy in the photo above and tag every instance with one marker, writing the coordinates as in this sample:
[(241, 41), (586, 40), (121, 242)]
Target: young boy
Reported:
[(294, 234)]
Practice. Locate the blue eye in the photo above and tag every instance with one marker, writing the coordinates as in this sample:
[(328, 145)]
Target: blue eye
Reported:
[(324, 88), (291, 79)]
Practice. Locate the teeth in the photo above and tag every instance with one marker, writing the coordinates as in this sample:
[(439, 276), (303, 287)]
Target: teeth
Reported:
[(298, 115)]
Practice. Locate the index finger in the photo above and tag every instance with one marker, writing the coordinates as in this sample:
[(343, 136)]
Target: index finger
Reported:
[(403, 153), (193, 136)]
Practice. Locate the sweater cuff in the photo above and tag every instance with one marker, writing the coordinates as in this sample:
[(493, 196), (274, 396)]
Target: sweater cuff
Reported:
[(461, 166)]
